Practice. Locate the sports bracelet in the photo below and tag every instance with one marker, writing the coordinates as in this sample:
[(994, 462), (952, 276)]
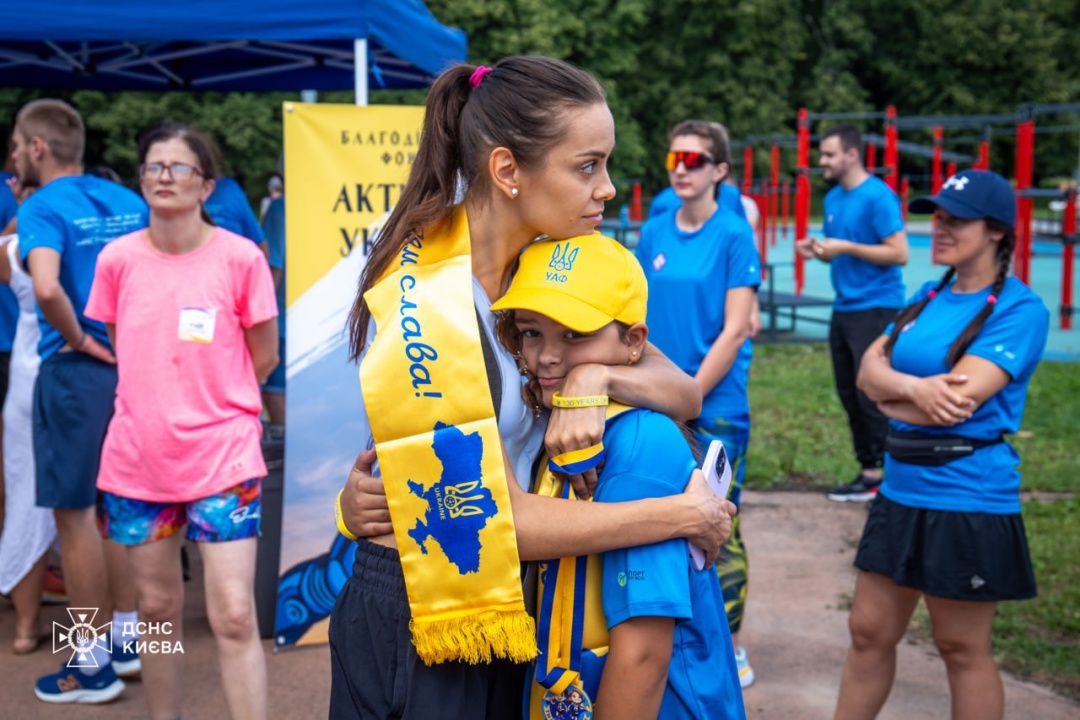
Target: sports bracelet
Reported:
[(579, 402), (341, 527)]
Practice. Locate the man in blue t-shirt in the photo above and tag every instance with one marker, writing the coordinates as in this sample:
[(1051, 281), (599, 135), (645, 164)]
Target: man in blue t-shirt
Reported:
[(865, 244), (229, 208), (273, 392), (62, 228), (9, 306)]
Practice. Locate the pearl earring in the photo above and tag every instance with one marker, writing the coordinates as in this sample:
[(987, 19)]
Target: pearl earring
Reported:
[(513, 192)]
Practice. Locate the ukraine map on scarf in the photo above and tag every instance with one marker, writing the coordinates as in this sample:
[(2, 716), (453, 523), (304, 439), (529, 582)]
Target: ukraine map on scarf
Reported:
[(456, 497)]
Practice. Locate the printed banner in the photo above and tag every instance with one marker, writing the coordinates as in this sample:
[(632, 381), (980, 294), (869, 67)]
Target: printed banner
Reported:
[(345, 167)]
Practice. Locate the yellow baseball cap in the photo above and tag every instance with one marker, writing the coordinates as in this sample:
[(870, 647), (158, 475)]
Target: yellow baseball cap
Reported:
[(583, 283)]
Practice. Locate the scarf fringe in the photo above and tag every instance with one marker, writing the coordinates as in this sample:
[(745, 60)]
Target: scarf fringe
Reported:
[(476, 638)]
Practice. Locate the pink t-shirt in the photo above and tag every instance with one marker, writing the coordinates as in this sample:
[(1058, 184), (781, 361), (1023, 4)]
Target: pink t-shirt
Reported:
[(186, 424)]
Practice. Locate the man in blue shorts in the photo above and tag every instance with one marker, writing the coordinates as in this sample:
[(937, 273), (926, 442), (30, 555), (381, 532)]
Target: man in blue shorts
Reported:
[(62, 228), (865, 244)]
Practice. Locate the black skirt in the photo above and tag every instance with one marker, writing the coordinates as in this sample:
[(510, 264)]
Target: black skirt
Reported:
[(952, 555)]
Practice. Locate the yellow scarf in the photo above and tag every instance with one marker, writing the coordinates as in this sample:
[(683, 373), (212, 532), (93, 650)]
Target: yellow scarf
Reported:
[(438, 445), (573, 630)]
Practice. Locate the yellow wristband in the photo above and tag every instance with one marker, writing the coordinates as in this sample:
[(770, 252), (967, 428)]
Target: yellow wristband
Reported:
[(341, 527), (579, 402)]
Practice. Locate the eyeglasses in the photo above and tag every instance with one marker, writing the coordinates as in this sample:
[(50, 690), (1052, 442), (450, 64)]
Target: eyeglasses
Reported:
[(690, 160), (178, 171)]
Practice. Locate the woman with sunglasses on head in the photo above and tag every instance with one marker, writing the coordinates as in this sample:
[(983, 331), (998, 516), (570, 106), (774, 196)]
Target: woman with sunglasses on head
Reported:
[(951, 373), (190, 310), (703, 273), (433, 624)]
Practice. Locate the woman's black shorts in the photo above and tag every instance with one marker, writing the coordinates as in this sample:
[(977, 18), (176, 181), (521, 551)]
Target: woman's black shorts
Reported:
[(375, 671), (953, 555)]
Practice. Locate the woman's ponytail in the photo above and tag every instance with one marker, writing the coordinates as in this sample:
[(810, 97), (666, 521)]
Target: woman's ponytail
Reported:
[(429, 192)]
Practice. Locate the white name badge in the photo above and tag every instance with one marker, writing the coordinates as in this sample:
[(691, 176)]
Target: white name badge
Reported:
[(197, 325)]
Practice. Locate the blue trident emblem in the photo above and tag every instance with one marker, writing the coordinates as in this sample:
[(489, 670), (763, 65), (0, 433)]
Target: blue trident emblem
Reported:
[(562, 257)]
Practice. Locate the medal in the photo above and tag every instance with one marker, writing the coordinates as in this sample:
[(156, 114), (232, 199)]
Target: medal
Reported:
[(571, 704)]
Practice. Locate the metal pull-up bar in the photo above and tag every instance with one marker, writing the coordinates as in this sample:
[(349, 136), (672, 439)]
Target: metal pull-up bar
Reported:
[(1025, 167), (1068, 238)]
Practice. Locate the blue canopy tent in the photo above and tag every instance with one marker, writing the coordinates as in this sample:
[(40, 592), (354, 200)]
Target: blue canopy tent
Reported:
[(213, 45)]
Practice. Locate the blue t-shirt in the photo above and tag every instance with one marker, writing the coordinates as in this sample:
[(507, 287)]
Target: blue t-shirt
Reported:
[(9, 305), (8, 204), (667, 201), (229, 208), (77, 216), (1013, 338), (648, 457), (866, 214), (273, 226), (689, 275)]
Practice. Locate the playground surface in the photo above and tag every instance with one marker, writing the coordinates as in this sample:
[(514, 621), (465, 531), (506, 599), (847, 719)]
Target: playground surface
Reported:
[(1045, 280), (801, 548)]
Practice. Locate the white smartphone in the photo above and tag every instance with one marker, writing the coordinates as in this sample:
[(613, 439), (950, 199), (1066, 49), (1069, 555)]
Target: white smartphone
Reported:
[(717, 471)]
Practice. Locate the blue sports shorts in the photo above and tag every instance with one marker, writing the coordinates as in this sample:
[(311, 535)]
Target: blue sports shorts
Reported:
[(73, 403)]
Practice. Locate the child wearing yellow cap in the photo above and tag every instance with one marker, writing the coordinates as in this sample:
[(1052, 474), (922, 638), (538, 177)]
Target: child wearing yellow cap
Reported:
[(637, 632)]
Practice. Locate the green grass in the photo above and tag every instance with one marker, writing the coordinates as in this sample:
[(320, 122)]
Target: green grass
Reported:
[(1040, 638), (1049, 460), (799, 434), (800, 440)]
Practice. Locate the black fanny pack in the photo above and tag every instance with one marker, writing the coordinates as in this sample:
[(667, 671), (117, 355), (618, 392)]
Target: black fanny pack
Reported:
[(917, 448)]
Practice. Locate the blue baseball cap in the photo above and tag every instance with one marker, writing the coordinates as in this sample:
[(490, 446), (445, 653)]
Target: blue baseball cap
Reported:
[(971, 194)]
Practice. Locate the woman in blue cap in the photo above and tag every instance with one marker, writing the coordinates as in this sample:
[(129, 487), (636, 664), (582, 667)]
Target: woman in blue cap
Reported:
[(951, 373)]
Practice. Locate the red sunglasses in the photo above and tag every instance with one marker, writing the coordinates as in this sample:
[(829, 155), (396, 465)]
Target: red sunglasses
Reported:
[(690, 160)]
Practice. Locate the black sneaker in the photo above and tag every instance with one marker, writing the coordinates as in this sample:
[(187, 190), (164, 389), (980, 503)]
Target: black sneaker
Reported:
[(861, 489)]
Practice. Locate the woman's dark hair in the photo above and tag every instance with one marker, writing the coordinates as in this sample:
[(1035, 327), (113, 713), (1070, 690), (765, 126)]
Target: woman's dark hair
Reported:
[(1004, 255), (518, 105), (205, 149)]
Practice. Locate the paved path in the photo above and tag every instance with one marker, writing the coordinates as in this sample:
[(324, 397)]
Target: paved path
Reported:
[(801, 547)]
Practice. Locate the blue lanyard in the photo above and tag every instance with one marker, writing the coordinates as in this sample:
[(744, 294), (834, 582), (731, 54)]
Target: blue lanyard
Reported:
[(548, 676)]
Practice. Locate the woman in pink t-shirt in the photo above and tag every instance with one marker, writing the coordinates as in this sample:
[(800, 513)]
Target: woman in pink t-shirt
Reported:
[(190, 310)]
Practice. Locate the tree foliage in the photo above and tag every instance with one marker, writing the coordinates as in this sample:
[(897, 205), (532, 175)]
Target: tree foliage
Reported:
[(748, 63)]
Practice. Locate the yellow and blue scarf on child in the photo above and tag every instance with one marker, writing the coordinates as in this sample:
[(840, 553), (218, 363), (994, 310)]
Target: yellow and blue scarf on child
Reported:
[(572, 627)]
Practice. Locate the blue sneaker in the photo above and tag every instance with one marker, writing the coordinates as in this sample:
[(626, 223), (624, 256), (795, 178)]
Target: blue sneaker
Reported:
[(72, 685), (126, 664)]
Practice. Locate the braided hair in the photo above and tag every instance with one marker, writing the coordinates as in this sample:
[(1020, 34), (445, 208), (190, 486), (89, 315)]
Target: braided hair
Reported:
[(1004, 258)]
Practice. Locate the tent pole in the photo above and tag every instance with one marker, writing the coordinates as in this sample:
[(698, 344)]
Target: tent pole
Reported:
[(360, 70)]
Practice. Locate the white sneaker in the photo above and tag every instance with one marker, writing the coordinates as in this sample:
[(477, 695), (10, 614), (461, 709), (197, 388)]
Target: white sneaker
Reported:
[(746, 673)]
